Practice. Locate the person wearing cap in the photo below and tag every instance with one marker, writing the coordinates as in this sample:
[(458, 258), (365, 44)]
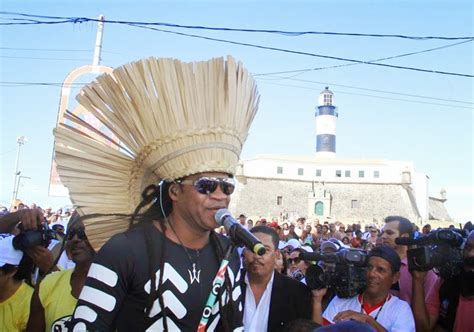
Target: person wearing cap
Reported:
[(148, 186), (55, 297), (15, 294), (271, 300), (375, 305)]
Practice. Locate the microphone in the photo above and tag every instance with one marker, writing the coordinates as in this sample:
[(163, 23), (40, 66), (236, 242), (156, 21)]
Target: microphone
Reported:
[(237, 233)]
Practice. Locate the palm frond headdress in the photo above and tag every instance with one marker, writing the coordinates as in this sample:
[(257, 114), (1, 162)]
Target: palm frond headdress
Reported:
[(161, 119)]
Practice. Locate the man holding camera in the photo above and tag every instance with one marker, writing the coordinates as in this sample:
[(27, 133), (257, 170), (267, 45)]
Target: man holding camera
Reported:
[(375, 305), (397, 226), (456, 297)]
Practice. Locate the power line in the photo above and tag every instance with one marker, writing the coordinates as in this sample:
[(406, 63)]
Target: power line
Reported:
[(364, 95), (308, 54), (274, 48), (379, 91), (302, 71), (60, 50), (384, 91), (43, 49), (200, 27), (36, 58)]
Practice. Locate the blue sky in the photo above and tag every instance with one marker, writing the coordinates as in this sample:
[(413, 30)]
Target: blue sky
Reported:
[(432, 133)]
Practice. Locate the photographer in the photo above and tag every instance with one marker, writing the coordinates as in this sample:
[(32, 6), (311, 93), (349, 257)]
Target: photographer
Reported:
[(375, 305), (55, 298), (456, 296), (28, 221), (395, 227)]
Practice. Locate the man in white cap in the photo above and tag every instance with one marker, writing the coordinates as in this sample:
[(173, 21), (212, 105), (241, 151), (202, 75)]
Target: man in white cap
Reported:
[(161, 165), (15, 294)]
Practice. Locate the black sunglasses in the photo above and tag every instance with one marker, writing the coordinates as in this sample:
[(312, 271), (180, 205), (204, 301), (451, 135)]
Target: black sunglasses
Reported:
[(80, 232), (296, 260), (206, 185)]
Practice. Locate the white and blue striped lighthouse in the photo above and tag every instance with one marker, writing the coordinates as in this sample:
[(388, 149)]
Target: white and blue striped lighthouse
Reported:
[(326, 116)]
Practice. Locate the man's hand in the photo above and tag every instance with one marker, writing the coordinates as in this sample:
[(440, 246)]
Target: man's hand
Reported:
[(30, 219), (349, 314), (318, 294), (26, 219), (419, 276), (42, 257)]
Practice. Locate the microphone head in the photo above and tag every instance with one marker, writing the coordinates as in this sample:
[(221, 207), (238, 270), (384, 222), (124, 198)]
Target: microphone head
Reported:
[(220, 215)]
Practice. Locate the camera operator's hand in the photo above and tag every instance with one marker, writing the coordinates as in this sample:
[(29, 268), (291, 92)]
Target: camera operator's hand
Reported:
[(42, 257), (317, 310), (318, 294), (30, 219), (418, 276), (349, 314), (352, 315)]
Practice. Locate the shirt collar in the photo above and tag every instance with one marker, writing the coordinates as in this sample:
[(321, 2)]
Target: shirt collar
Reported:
[(269, 285)]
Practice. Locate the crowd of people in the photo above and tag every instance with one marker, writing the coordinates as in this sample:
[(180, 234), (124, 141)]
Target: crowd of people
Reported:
[(275, 294), (143, 250)]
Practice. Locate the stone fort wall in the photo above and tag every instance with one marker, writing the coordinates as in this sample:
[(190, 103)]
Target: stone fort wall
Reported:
[(350, 202)]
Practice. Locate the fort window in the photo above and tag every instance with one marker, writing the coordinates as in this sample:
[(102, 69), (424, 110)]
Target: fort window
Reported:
[(279, 200), (300, 171), (376, 174), (354, 204), (338, 174), (279, 170), (347, 174), (318, 172), (361, 174)]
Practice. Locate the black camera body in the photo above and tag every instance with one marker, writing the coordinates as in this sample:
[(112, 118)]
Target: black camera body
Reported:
[(439, 250), (343, 271), (29, 239)]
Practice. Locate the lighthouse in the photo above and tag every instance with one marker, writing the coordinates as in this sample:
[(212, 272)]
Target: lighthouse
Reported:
[(326, 116)]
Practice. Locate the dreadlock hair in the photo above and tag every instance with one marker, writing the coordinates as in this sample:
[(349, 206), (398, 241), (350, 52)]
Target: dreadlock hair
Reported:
[(160, 206)]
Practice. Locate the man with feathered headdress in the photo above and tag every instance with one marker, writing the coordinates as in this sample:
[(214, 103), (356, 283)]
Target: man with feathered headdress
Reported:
[(153, 181)]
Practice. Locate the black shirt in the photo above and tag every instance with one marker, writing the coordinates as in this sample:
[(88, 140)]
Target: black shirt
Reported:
[(118, 285)]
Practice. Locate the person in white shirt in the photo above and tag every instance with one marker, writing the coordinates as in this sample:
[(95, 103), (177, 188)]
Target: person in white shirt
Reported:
[(375, 305)]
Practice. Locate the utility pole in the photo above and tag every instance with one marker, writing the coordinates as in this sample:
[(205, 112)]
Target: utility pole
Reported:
[(55, 186), (20, 140), (98, 42)]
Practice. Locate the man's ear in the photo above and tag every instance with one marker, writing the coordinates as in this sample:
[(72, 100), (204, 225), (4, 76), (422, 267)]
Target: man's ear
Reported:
[(173, 191), (278, 254), (395, 277)]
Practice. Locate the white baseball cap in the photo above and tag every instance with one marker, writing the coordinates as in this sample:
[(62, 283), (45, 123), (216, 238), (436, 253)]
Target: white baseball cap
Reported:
[(294, 243), (8, 254)]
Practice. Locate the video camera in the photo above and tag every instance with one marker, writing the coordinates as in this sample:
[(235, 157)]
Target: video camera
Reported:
[(344, 271), (439, 250), (28, 239)]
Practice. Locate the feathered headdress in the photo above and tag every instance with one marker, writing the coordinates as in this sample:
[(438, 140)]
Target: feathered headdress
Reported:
[(158, 119)]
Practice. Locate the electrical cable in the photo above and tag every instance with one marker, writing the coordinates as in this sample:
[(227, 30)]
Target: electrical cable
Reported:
[(200, 27), (364, 95)]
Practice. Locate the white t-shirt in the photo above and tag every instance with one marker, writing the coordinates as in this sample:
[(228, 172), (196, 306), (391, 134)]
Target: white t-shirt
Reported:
[(395, 314)]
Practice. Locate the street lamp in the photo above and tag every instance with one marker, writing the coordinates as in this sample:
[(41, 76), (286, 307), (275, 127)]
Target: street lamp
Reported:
[(20, 140)]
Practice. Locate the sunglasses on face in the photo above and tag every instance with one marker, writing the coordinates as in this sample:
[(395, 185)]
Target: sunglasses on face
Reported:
[(295, 260), (80, 232), (207, 185)]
